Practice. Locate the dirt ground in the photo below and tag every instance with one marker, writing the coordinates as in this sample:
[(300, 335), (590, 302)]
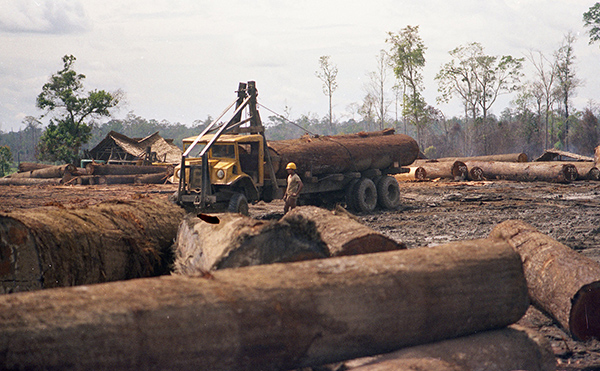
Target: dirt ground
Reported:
[(431, 213)]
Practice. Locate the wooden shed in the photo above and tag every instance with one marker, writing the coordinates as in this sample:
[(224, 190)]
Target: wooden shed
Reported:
[(117, 148)]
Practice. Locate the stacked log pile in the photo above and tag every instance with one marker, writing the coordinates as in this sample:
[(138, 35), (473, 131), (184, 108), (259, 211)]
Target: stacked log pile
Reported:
[(93, 173), (275, 316)]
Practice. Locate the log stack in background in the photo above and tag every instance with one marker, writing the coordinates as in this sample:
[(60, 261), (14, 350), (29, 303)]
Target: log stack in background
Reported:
[(53, 246)]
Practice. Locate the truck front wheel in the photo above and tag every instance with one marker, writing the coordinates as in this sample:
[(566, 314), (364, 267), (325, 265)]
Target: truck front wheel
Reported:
[(388, 192), (238, 204), (365, 195)]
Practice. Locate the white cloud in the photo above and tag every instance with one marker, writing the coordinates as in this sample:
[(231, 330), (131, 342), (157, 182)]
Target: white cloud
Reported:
[(43, 16)]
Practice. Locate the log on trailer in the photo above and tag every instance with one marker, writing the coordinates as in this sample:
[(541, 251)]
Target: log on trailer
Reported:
[(236, 240), (268, 317), (47, 172), (342, 233), (332, 155), (507, 157), (53, 246), (456, 170), (526, 171), (511, 348), (562, 282)]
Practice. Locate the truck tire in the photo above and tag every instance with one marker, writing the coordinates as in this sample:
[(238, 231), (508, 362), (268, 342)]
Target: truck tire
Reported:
[(388, 192), (350, 191), (238, 204), (365, 195)]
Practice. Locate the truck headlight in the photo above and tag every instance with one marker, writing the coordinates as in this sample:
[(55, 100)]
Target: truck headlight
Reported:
[(179, 173), (220, 174)]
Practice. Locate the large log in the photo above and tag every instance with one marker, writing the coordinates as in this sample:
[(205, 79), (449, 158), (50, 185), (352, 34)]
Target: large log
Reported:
[(237, 240), (507, 157), (455, 170), (29, 166), (47, 172), (343, 234), (268, 317), (29, 181), (331, 154), (414, 173), (526, 171), (562, 282), (52, 246), (512, 348), (104, 169), (586, 170)]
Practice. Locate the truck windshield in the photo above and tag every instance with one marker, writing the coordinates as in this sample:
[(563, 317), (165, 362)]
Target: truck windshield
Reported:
[(223, 150), (196, 150)]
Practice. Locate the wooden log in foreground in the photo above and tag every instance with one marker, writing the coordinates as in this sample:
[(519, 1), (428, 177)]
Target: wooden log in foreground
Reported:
[(512, 348), (53, 247), (238, 240), (562, 282), (342, 233), (414, 173), (526, 171), (47, 172), (507, 157), (104, 169), (268, 317), (455, 170)]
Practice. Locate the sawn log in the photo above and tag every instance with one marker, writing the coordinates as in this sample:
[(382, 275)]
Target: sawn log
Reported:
[(507, 157), (455, 170), (53, 246), (526, 171), (104, 169), (414, 173), (561, 281), (268, 317), (512, 348), (47, 172)]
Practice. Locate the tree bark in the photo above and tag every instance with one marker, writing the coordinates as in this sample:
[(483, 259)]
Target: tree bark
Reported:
[(512, 348), (508, 157), (103, 169), (343, 234), (238, 240), (526, 171), (455, 170), (562, 282), (47, 172), (325, 155), (415, 173), (53, 247), (269, 317), (586, 170)]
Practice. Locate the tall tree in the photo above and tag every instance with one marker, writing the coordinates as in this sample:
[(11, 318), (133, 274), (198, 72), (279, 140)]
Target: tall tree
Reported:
[(407, 57), (72, 108), (376, 87), (544, 85), (566, 78), (327, 73), (591, 20)]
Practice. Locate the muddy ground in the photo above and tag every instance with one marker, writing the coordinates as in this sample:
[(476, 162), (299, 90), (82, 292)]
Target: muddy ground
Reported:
[(431, 213)]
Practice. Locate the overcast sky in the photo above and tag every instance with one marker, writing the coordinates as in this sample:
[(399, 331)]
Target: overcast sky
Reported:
[(181, 60)]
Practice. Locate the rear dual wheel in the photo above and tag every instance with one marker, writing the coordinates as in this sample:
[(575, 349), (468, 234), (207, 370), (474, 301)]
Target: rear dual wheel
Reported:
[(363, 194)]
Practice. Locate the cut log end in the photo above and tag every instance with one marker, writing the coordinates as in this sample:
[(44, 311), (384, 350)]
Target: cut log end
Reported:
[(584, 319)]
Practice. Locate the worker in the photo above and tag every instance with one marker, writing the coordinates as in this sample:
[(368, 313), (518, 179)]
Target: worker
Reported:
[(294, 187)]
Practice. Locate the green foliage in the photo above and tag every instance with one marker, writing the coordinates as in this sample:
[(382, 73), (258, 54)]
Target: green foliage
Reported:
[(591, 20), (72, 107), (5, 160)]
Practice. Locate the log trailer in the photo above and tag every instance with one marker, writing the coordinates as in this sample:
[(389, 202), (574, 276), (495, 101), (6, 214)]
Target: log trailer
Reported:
[(230, 164)]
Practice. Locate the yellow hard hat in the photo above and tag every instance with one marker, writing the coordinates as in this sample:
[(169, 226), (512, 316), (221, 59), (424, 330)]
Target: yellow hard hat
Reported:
[(291, 165)]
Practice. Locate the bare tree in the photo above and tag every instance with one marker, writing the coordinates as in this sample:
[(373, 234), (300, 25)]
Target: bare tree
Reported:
[(328, 74), (544, 85), (566, 78), (376, 88)]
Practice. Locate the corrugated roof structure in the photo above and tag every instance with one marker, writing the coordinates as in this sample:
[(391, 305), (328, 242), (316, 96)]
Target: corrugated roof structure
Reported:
[(116, 147)]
